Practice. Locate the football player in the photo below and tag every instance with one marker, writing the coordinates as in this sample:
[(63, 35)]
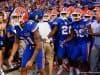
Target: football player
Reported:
[(63, 29), (53, 18), (28, 31), (81, 31)]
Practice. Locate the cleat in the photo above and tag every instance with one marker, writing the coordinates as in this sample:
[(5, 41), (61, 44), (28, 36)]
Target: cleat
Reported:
[(60, 72), (77, 71), (1, 72), (55, 65), (71, 71), (66, 67)]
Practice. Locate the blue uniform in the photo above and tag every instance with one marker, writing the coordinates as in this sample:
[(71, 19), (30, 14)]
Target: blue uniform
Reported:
[(55, 37), (52, 25), (26, 33), (62, 34), (81, 37)]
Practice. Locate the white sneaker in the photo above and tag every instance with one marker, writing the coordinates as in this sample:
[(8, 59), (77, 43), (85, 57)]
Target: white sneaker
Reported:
[(77, 71), (71, 71), (60, 72), (1, 72), (4, 67), (11, 66)]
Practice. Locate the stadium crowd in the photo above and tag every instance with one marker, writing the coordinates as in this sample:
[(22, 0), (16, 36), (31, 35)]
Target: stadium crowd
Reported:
[(60, 34)]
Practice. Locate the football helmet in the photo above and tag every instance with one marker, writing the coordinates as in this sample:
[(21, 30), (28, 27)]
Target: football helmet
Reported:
[(54, 14), (63, 13), (77, 14), (88, 15), (68, 12), (96, 9), (19, 15)]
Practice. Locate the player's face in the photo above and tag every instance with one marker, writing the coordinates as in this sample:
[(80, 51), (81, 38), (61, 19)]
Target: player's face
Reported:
[(63, 15), (20, 20), (76, 17), (53, 16), (15, 20), (87, 17)]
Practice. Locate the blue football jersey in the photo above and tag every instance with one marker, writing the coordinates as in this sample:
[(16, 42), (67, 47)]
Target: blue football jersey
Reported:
[(52, 25), (10, 29), (81, 30), (64, 28), (26, 33), (29, 28)]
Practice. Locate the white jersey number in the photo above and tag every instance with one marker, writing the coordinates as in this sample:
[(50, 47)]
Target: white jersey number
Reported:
[(81, 32), (64, 30)]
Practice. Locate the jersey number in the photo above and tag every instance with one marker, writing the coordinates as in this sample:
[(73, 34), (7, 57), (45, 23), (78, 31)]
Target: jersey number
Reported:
[(64, 30), (81, 32)]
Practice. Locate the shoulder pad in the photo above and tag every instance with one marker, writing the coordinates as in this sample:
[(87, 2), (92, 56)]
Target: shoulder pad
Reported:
[(31, 25)]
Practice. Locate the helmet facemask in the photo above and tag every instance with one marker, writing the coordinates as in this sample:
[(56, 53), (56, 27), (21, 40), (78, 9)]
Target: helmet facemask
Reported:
[(76, 16), (19, 16), (87, 17), (15, 19), (63, 16), (53, 16)]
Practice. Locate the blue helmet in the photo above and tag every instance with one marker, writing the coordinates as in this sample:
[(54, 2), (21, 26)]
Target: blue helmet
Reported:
[(32, 15), (39, 14)]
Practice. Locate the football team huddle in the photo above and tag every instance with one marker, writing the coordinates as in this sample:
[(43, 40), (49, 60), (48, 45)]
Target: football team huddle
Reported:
[(60, 39)]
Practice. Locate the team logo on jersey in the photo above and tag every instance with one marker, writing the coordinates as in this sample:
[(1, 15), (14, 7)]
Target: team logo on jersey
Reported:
[(66, 23), (82, 26)]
